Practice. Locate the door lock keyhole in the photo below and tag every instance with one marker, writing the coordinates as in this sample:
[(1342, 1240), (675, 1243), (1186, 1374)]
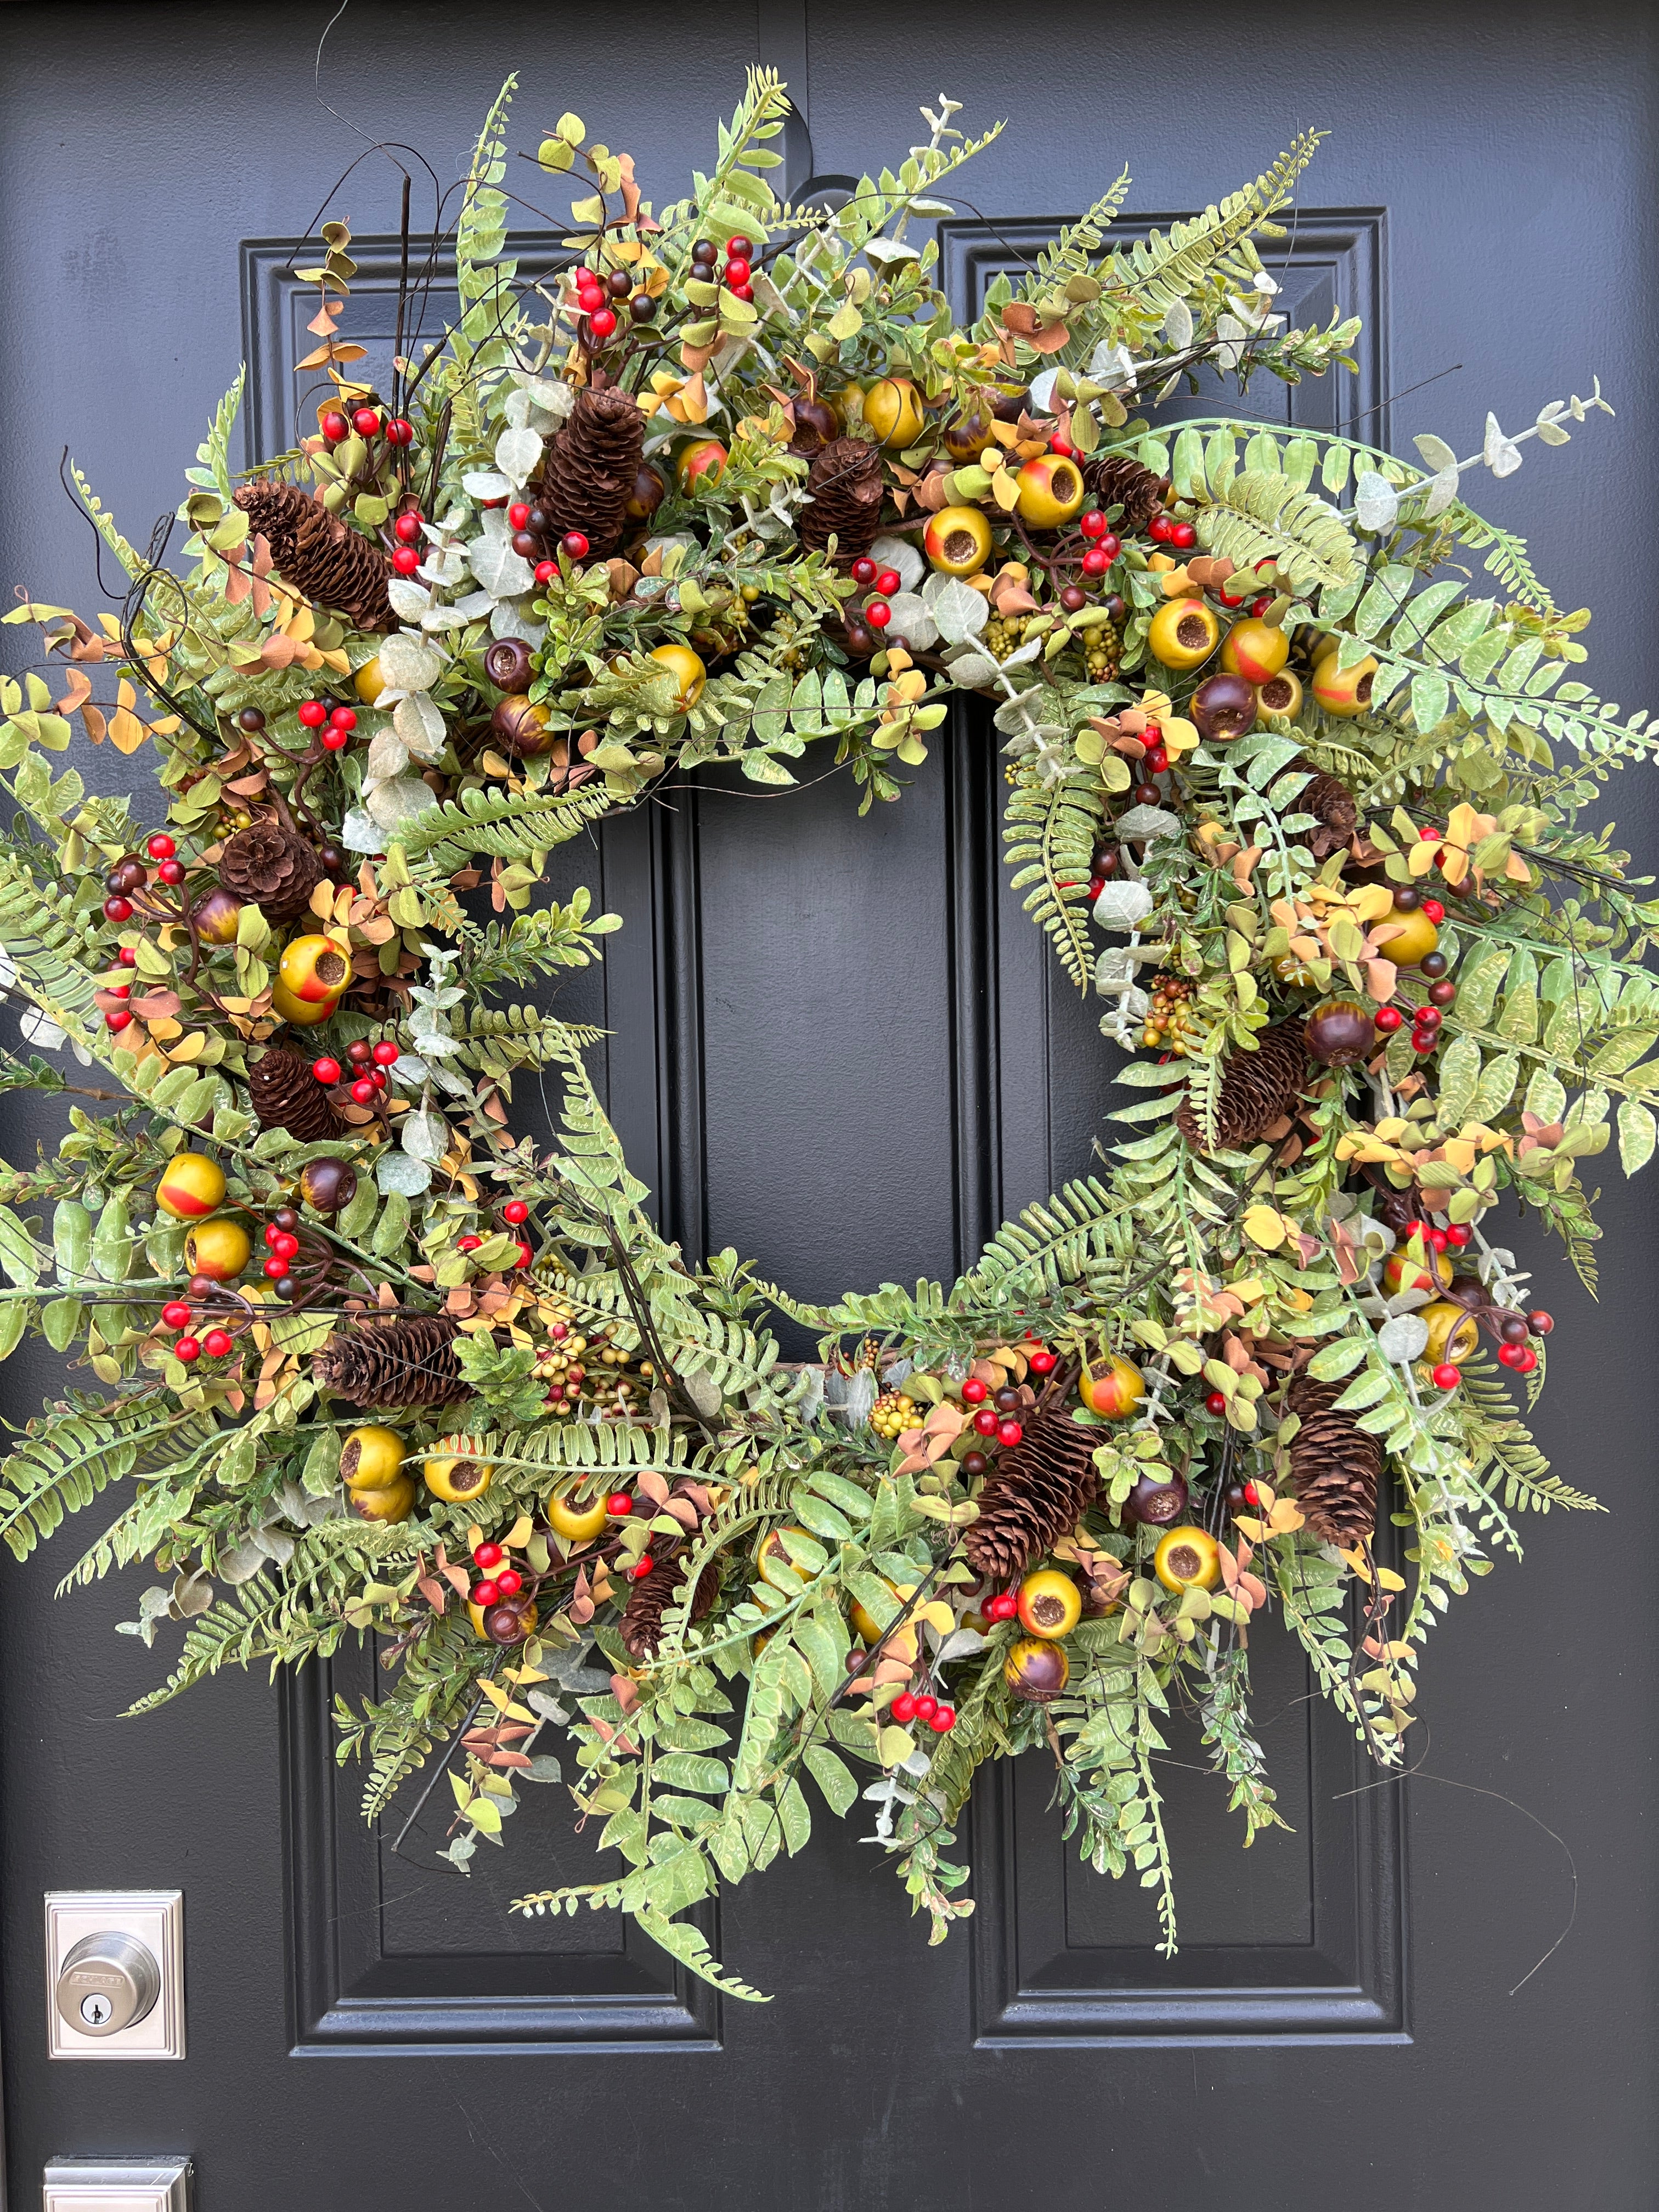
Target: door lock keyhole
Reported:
[(107, 1983)]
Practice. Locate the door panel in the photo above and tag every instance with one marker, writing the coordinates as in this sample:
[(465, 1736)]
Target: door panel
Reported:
[(839, 1047)]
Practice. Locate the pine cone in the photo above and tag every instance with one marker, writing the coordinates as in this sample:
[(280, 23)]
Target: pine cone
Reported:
[(845, 486), (1258, 1089), (1038, 1493), (1335, 1464), (397, 1362), (587, 477), (647, 1601), (1330, 800), (1114, 480), (333, 565), (288, 1096), (272, 866)]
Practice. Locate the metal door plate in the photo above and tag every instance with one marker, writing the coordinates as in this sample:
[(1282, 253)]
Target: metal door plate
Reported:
[(90, 2184), (156, 1918)]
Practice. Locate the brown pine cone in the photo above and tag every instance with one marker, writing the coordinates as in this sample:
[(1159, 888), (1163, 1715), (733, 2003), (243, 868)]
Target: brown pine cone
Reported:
[(845, 488), (1115, 480), (587, 476), (1036, 1493), (1330, 800), (273, 867), (647, 1601), (1259, 1089), (287, 1096), (397, 1363), (1335, 1464), (317, 554)]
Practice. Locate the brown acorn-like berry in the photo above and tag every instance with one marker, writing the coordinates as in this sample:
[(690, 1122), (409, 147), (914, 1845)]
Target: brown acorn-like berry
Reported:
[(1224, 707), (214, 917), (1468, 1291), (328, 1186), (127, 875), (522, 725), (815, 426), (1155, 1505), (1340, 1032), (1036, 1670), (508, 664), (510, 1621)]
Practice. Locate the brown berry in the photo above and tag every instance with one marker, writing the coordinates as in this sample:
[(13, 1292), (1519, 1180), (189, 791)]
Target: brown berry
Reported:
[(1224, 707), (1154, 1504), (1340, 1032), (328, 1185), (508, 664)]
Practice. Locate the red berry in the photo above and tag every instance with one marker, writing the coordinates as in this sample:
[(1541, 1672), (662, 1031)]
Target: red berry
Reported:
[(1438, 1237), (1457, 1236), (619, 1504), (161, 847), (743, 292), (172, 872), (574, 544), (1009, 1433), (864, 572), (1431, 910), (285, 1247), (127, 956), (878, 614), (985, 1422), (365, 421), (1446, 1376), (1215, 1402), (1261, 606), (334, 426), (974, 1392), (942, 1719), (272, 1233), (186, 1348), (116, 909), (362, 1091), (1002, 1607), (643, 1566), (275, 1269), (1528, 1360), (1157, 762), (1095, 563), (888, 581), (738, 248), (1092, 524), (509, 1582), (119, 990), (903, 1707), (1540, 1322), (176, 1313), (1183, 535), (1388, 1017), (737, 274), (313, 713), (471, 1243), (1110, 545), (377, 1077), (1252, 1495), (927, 1706), (118, 1019), (343, 718), (488, 1556), (1042, 1361), (1064, 447), (1430, 835), (400, 431), (485, 1592), (216, 1343), (1511, 1355), (407, 528), (1424, 1040), (1159, 528), (405, 559), (546, 571), (526, 1255), (515, 1211), (602, 322), (385, 1053), (518, 514), (336, 740)]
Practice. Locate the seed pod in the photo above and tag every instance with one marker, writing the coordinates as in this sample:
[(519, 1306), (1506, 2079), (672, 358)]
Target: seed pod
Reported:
[(1224, 707), (1340, 1032), (328, 1185), (521, 725), (1035, 1671), (1155, 1505), (508, 664)]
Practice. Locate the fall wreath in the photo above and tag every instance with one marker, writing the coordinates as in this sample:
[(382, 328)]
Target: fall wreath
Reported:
[(1295, 798)]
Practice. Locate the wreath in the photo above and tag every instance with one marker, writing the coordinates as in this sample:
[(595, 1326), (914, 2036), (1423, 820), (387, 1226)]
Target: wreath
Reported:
[(1293, 793)]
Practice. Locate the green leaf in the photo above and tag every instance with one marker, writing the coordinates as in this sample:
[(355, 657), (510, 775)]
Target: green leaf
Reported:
[(1636, 1132)]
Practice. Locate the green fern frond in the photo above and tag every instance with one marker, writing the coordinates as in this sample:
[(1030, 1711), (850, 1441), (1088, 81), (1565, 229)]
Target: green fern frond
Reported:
[(1170, 265), (498, 824), (1050, 831)]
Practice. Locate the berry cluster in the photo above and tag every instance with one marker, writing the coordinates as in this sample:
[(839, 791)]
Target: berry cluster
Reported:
[(881, 583), (738, 271), (599, 298), (367, 421), (369, 1063), (330, 725)]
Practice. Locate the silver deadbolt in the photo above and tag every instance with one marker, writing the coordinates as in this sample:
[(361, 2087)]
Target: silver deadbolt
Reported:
[(107, 1982)]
